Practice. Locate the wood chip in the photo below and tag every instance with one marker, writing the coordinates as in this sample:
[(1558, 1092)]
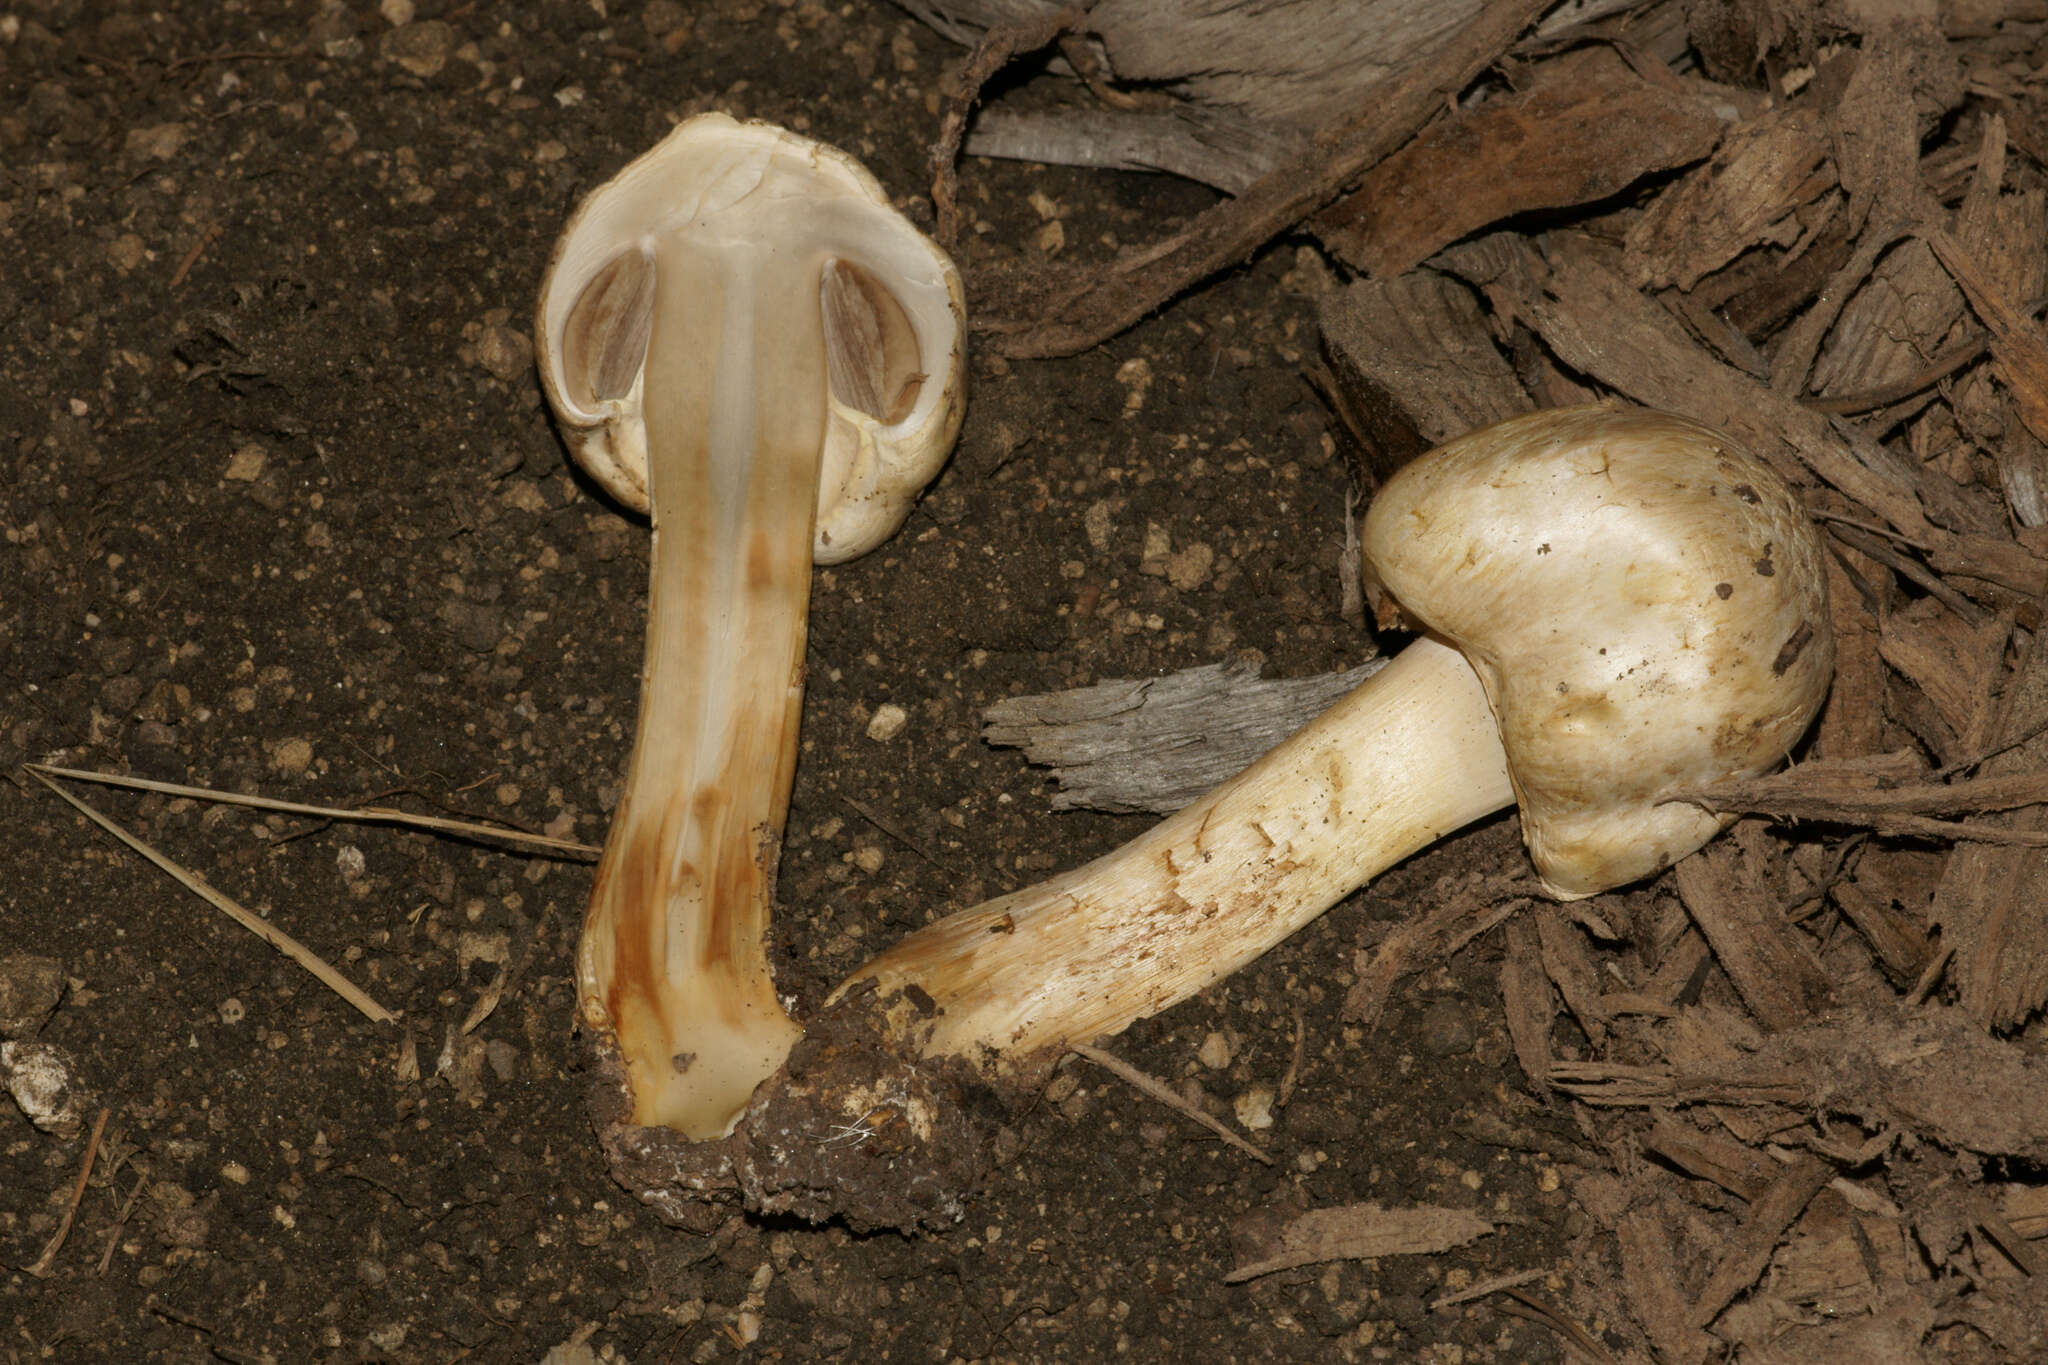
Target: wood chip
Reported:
[(1527, 1002), (1652, 1272), (1365, 1231)]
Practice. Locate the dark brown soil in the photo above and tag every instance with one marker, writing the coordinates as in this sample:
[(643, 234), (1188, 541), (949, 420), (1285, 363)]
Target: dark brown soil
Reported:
[(285, 513)]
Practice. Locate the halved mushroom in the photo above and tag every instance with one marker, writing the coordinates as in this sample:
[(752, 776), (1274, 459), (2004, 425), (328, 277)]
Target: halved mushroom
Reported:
[(1620, 604), (741, 337)]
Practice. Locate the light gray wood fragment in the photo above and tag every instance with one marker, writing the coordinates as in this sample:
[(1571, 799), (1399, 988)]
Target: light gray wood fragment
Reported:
[(1210, 146), (1156, 744)]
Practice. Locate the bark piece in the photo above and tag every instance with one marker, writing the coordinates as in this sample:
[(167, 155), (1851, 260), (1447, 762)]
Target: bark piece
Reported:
[(1570, 968), (1588, 126), (1951, 662), (2017, 345), (1458, 916), (1909, 309), (1879, 792), (1876, 131), (1735, 37), (1900, 945), (1852, 720), (1414, 353), (1293, 61)]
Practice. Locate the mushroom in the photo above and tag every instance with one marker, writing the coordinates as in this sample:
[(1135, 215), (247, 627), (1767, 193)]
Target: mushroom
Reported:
[(739, 336), (1618, 605)]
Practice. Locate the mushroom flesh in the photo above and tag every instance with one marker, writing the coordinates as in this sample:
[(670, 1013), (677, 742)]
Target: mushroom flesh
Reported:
[(740, 337)]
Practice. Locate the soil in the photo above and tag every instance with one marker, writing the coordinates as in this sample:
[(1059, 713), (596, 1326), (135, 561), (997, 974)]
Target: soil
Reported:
[(285, 514)]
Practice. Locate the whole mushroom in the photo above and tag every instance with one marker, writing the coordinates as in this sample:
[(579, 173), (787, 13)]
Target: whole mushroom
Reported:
[(1616, 604), (739, 336)]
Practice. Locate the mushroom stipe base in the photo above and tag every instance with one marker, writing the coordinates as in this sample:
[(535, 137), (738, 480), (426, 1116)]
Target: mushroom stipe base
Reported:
[(855, 1126)]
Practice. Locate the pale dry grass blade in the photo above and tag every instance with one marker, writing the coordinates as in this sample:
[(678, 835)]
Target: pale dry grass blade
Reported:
[(41, 1268), (248, 919), (366, 815), (1158, 1090)]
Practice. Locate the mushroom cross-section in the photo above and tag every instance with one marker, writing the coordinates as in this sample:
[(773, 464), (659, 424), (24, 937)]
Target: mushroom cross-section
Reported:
[(741, 337), (1619, 605)]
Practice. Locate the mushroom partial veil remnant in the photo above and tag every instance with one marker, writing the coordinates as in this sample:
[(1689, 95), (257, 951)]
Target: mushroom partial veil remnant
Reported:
[(1617, 605), (740, 337)]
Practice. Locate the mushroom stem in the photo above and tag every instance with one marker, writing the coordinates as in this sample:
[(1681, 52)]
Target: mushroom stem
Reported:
[(1404, 759), (673, 957)]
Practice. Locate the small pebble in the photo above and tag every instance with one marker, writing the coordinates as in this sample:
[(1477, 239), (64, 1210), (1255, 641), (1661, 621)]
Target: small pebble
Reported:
[(887, 722), (30, 988), (422, 48), (246, 464), (291, 756), (505, 352), (1445, 1030)]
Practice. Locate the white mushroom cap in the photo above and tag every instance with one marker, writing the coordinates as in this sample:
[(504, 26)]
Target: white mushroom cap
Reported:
[(803, 204), (1641, 625)]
